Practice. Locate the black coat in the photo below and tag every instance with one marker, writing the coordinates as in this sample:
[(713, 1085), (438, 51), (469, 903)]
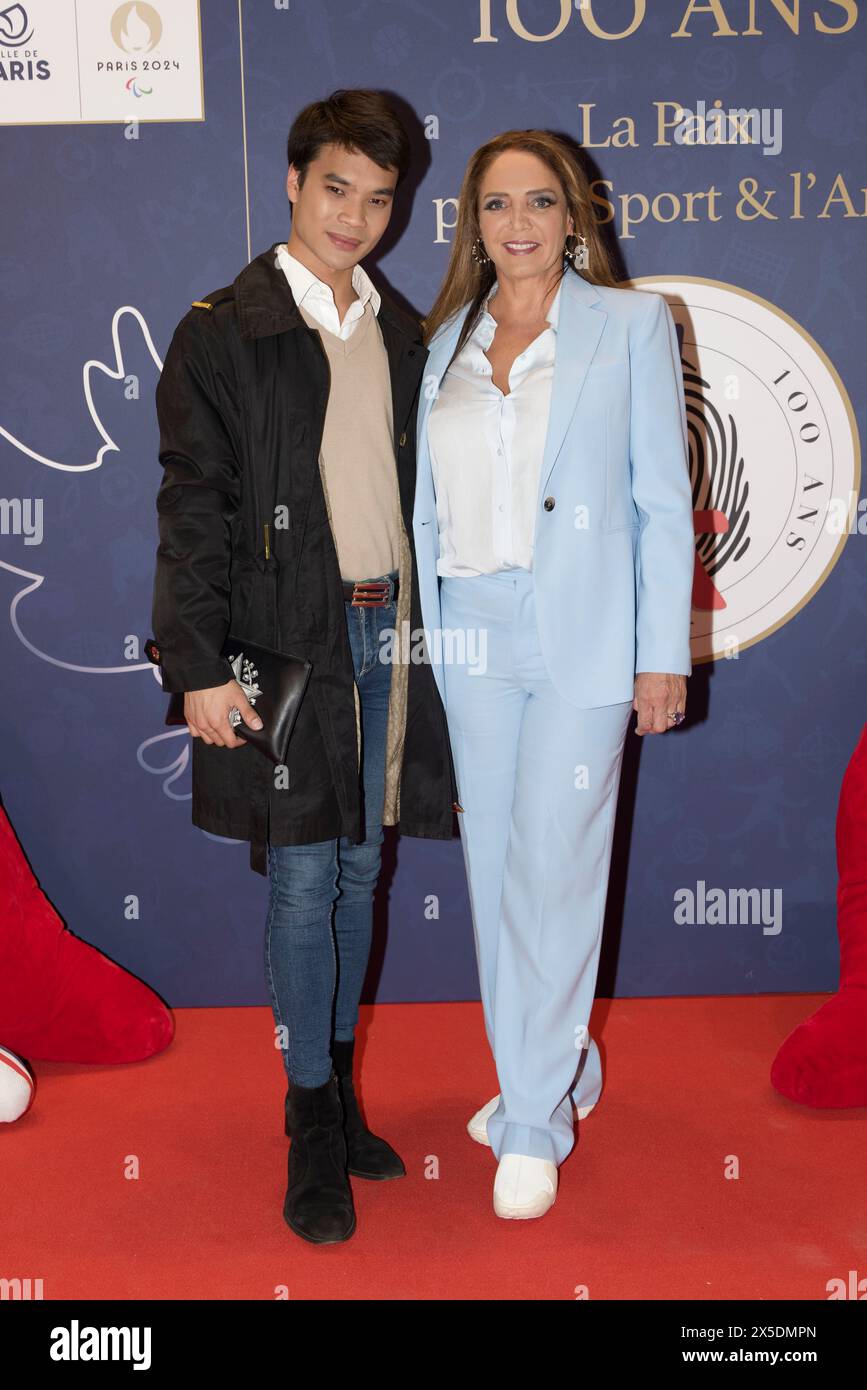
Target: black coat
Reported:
[(241, 406)]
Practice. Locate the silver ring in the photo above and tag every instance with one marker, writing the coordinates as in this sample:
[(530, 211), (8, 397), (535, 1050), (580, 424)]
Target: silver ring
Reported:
[(235, 716), (678, 716)]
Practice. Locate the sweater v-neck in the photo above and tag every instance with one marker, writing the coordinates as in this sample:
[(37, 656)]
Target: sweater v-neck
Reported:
[(345, 346)]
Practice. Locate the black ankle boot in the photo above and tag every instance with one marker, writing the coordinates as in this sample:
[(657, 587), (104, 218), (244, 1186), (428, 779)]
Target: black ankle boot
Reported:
[(368, 1156), (318, 1203)]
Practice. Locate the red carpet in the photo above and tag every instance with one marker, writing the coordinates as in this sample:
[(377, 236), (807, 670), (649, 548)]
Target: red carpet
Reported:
[(644, 1208)]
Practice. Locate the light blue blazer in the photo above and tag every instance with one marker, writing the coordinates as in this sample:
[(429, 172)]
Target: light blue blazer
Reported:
[(614, 545)]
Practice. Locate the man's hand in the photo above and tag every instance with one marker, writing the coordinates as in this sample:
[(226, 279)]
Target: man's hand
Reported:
[(207, 714), (656, 696)]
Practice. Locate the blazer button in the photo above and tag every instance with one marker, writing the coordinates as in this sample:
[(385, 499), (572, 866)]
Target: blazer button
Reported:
[(403, 439), (548, 504)]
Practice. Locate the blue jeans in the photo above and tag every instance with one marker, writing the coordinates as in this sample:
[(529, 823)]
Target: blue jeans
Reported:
[(314, 967)]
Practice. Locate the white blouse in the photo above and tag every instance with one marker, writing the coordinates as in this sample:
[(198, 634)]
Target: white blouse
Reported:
[(486, 451)]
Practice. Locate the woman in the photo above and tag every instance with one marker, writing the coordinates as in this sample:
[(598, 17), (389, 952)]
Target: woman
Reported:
[(554, 537)]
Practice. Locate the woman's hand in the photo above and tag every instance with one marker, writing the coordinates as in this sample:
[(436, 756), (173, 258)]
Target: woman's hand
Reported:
[(656, 696)]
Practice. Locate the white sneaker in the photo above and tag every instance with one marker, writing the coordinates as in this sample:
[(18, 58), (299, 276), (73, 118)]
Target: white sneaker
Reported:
[(478, 1125), (524, 1186)]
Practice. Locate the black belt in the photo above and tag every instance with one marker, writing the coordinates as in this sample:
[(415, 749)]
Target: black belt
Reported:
[(370, 593)]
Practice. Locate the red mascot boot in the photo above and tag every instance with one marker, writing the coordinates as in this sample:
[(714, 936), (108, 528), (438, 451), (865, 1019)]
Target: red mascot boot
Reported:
[(60, 999), (824, 1061)]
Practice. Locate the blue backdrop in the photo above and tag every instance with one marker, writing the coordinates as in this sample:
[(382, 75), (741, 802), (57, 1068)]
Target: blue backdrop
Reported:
[(103, 215)]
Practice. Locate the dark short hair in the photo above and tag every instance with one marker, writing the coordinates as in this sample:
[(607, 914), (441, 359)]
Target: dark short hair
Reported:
[(356, 118)]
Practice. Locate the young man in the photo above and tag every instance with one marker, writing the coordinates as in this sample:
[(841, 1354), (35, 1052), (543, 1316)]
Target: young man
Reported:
[(287, 409)]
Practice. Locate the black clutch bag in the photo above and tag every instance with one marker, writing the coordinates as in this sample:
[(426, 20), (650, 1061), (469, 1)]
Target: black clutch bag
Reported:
[(273, 682)]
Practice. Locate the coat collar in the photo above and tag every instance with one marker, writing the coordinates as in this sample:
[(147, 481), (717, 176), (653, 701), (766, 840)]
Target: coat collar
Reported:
[(265, 303)]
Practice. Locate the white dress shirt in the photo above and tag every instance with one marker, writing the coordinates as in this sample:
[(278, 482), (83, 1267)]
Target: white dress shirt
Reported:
[(486, 451), (318, 298)]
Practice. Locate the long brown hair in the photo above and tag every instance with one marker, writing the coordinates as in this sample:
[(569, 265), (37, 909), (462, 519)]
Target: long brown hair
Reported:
[(465, 279)]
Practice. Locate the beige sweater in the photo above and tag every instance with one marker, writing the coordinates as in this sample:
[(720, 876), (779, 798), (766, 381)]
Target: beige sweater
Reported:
[(357, 453)]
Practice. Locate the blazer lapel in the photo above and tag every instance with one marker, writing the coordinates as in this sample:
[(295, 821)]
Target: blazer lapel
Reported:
[(440, 351), (582, 319)]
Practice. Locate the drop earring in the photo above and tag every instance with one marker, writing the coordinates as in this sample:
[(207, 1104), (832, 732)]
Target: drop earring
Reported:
[(478, 252), (579, 256)]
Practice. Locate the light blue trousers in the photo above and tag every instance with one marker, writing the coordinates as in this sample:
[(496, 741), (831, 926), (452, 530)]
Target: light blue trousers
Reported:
[(538, 780)]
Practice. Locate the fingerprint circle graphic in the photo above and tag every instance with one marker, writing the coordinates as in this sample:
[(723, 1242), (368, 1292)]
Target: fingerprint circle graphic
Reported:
[(774, 460)]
